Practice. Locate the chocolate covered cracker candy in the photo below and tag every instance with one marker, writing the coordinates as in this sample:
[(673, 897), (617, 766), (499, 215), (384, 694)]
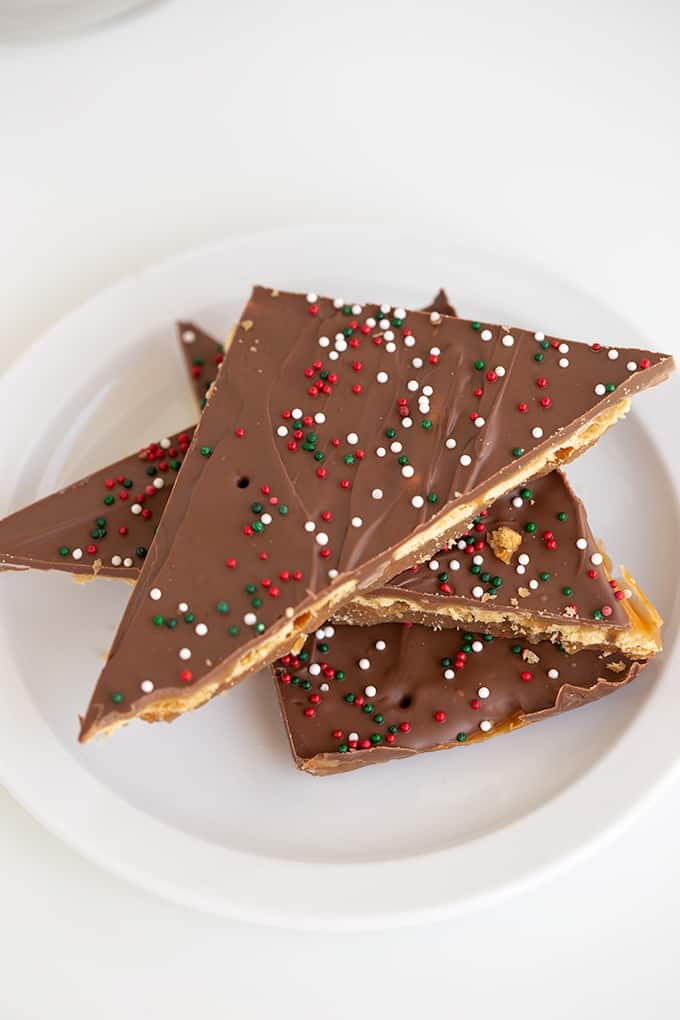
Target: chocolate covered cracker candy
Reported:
[(358, 696), (340, 444), (528, 566)]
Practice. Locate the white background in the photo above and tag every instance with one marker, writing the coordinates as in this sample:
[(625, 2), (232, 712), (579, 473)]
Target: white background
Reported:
[(541, 129)]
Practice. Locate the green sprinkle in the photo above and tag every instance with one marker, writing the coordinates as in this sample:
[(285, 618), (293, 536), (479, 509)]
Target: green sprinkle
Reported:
[(346, 309), (312, 437), (339, 673), (368, 708), (378, 719), (526, 494), (446, 662), (497, 582), (306, 685), (487, 637), (397, 322), (479, 365), (108, 499), (323, 647), (319, 455), (189, 617), (476, 569), (375, 738), (461, 737), (391, 729), (390, 433), (348, 331), (151, 471), (485, 577), (443, 577), (517, 451), (256, 508), (538, 357), (198, 361), (432, 497), (426, 424), (610, 387), (403, 460), (141, 551), (256, 603), (233, 630), (348, 458), (303, 656), (251, 589), (127, 484), (544, 575), (476, 325), (259, 628), (567, 591), (175, 464), (468, 637), (158, 620), (258, 527), (530, 526), (171, 623), (349, 698), (283, 509), (222, 607), (206, 451), (64, 550), (101, 522), (295, 680), (545, 345), (116, 698), (597, 614), (561, 516), (342, 748), (516, 649)]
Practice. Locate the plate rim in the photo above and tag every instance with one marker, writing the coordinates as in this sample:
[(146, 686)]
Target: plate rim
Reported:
[(274, 874)]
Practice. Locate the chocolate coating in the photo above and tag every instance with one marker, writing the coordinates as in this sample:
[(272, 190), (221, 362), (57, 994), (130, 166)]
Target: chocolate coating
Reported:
[(341, 716), (203, 355), (353, 367)]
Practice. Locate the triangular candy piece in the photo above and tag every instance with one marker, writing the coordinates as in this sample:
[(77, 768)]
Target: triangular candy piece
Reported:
[(340, 444), (101, 525), (359, 696), (529, 565), (203, 355)]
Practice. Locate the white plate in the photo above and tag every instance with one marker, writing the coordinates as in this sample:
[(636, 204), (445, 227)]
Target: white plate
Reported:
[(25, 20), (209, 811)]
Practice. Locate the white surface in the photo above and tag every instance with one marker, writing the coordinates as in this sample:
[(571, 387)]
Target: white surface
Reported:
[(209, 811), (542, 131), (24, 20)]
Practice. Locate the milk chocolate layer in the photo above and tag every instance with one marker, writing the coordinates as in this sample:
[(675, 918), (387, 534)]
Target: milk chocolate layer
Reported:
[(203, 355), (339, 444), (358, 696)]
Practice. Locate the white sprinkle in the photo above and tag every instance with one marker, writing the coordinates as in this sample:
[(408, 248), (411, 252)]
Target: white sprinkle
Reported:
[(158, 483), (520, 570), (388, 335), (477, 591), (433, 564), (352, 736), (399, 313), (200, 629), (435, 317), (533, 584), (333, 355), (466, 459), (380, 646), (319, 418), (563, 362), (486, 335), (312, 298), (462, 544), (500, 371), (581, 543), (165, 444), (417, 502), (478, 560), (435, 351), (539, 336), (352, 438), (596, 559), (382, 377), (517, 501), (417, 362), (266, 518), (553, 674), (377, 494), (282, 431), (537, 432), (324, 341), (370, 691), (412, 385), (188, 336), (508, 340), (296, 412), (183, 607), (477, 646), (340, 343), (146, 686), (249, 619), (385, 309), (449, 674), (185, 653), (523, 558), (396, 446), (450, 443), (384, 324), (364, 664), (390, 347), (310, 526), (324, 687), (116, 561), (136, 509), (612, 354), (454, 564), (408, 471), (406, 423), (483, 692), (428, 391), (600, 390), (409, 341), (322, 538), (320, 634), (357, 522), (381, 451), (631, 366), (314, 669), (329, 632), (357, 309), (370, 322), (480, 422), (338, 302), (127, 562), (155, 594), (485, 725)]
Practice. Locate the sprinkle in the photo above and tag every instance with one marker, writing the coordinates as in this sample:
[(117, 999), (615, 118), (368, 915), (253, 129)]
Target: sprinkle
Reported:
[(364, 664), (435, 317), (200, 629), (533, 584), (477, 591), (486, 335), (155, 594), (146, 686), (600, 390), (408, 471), (465, 459), (377, 494), (433, 564), (136, 509), (282, 431), (450, 444), (483, 692), (500, 371), (479, 422), (612, 354), (477, 646), (249, 619), (382, 377), (631, 366), (324, 341), (440, 716), (310, 526), (553, 674), (322, 538), (417, 502), (188, 336), (581, 543), (485, 725), (370, 691), (508, 340), (312, 299), (185, 653), (381, 451), (454, 565), (352, 438), (449, 674), (537, 432), (596, 559)]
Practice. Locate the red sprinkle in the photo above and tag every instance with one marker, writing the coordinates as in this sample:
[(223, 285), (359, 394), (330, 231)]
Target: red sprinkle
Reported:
[(525, 676), (440, 716), (186, 676)]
